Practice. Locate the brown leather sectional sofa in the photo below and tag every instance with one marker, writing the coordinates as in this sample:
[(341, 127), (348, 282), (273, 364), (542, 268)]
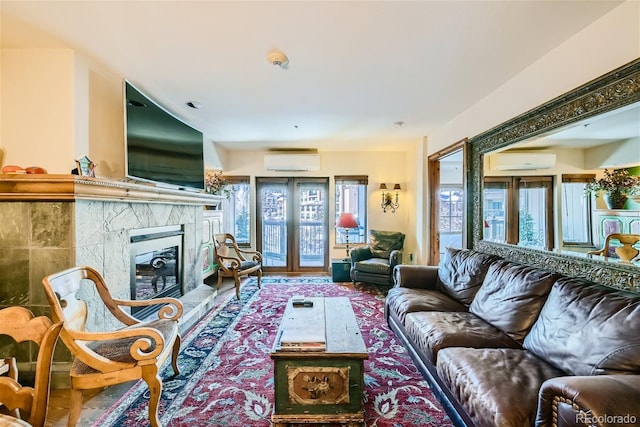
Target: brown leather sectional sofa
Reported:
[(505, 344)]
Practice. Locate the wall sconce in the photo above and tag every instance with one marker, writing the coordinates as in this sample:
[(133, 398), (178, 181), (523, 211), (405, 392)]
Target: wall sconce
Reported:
[(388, 199)]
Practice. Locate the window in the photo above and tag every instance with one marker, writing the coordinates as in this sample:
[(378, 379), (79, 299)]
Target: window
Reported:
[(576, 211), (237, 209), (351, 196), (519, 210)]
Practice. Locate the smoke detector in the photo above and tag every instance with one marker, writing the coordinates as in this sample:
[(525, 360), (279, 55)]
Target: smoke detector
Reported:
[(278, 59)]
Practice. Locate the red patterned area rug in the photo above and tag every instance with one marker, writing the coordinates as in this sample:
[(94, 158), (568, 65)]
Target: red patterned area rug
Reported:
[(227, 374)]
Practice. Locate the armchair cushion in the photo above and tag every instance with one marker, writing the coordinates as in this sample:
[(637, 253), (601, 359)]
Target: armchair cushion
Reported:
[(245, 265), (381, 243), (374, 265)]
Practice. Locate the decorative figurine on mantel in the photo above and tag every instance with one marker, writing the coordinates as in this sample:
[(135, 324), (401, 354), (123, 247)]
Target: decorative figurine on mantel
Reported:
[(85, 167)]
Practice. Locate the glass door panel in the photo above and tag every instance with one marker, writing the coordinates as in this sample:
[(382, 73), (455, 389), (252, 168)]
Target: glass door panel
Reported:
[(273, 230), (312, 224)]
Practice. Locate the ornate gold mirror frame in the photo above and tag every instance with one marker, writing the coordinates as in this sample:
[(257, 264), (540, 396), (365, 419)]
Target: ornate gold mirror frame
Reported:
[(613, 90)]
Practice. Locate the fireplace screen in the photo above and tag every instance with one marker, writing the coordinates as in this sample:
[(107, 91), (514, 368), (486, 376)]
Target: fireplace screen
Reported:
[(156, 268), (156, 272)]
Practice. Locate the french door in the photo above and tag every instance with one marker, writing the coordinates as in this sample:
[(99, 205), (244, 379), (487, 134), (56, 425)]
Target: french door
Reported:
[(293, 223)]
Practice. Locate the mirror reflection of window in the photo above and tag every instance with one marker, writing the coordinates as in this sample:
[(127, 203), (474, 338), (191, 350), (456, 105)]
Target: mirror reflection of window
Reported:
[(495, 211), (533, 224), (519, 210), (576, 211)]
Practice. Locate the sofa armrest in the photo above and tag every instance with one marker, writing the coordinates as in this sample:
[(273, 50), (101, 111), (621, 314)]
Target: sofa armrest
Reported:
[(589, 401), (415, 276), (395, 258)]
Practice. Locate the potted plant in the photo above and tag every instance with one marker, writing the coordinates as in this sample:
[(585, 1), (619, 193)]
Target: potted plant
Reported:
[(617, 185), (215, 183)]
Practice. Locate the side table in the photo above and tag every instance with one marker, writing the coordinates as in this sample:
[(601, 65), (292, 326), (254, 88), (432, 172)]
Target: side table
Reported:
[(340, 270)]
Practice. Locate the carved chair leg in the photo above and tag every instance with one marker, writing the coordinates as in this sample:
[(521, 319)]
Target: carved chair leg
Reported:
[(236, 278), (151, 377), (259, 277), (174, 356), (75, 406)]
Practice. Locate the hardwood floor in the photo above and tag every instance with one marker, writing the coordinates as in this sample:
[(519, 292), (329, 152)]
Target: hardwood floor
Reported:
[(96, 402)]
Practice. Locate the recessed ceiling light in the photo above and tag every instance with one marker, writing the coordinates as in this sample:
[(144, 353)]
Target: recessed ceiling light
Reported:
[(398, 124), (193, 104)]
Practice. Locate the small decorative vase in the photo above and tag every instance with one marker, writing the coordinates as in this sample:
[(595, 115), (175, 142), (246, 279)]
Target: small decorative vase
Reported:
[(615, 199)]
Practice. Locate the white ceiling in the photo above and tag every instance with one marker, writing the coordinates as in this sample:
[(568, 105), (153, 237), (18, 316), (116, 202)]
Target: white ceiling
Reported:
[(355, 67)]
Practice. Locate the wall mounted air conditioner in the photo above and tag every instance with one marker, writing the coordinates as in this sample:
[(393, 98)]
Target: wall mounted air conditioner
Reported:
[(521, 161), (292, 162)]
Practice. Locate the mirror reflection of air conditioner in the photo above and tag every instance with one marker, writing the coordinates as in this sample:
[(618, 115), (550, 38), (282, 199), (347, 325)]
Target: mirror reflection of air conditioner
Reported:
[(292, 162), (521, 161)]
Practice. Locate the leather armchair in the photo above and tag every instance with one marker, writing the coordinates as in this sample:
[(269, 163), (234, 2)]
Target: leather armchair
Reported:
[(374, 263)]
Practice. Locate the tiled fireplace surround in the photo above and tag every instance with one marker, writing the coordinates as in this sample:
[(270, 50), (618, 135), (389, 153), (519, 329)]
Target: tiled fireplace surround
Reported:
[(52, 222)]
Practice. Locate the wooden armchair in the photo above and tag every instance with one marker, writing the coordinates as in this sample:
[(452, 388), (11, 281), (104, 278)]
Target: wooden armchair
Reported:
[(15, 400), (627, 249), (236, 265), (135, 351)]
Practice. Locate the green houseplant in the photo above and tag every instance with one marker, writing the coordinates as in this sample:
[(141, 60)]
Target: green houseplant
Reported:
[(215, 183), (616, 185)]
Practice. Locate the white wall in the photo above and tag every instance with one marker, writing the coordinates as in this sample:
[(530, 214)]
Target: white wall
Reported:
[(379, 166), (38, 122)]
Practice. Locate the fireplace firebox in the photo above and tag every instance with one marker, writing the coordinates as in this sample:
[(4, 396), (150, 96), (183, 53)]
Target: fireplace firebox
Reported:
[(156, 266)]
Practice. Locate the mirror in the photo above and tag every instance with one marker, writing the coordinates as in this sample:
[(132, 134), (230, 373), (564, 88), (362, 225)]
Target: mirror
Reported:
[(560, 122)]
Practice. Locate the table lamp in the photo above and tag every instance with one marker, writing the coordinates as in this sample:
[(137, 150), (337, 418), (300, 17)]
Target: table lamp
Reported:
[(346, 220)]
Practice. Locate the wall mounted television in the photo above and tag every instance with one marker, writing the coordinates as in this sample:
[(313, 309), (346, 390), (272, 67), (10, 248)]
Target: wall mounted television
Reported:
[(159, 147)]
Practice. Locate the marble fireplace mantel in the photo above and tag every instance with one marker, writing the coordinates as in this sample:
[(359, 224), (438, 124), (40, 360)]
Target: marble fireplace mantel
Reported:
[(34, 187)]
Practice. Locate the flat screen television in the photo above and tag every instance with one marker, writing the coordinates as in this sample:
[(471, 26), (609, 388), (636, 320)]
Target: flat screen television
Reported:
[(159, 147)]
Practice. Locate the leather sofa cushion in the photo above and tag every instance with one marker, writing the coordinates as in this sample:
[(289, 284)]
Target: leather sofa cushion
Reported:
[(512, 296), (461, 272), (401, 301), (374, 265), (588, 329), (432, 331), (496, 387)]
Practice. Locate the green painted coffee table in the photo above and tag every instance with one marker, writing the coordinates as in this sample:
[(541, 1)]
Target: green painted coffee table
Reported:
[(315, 385)]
